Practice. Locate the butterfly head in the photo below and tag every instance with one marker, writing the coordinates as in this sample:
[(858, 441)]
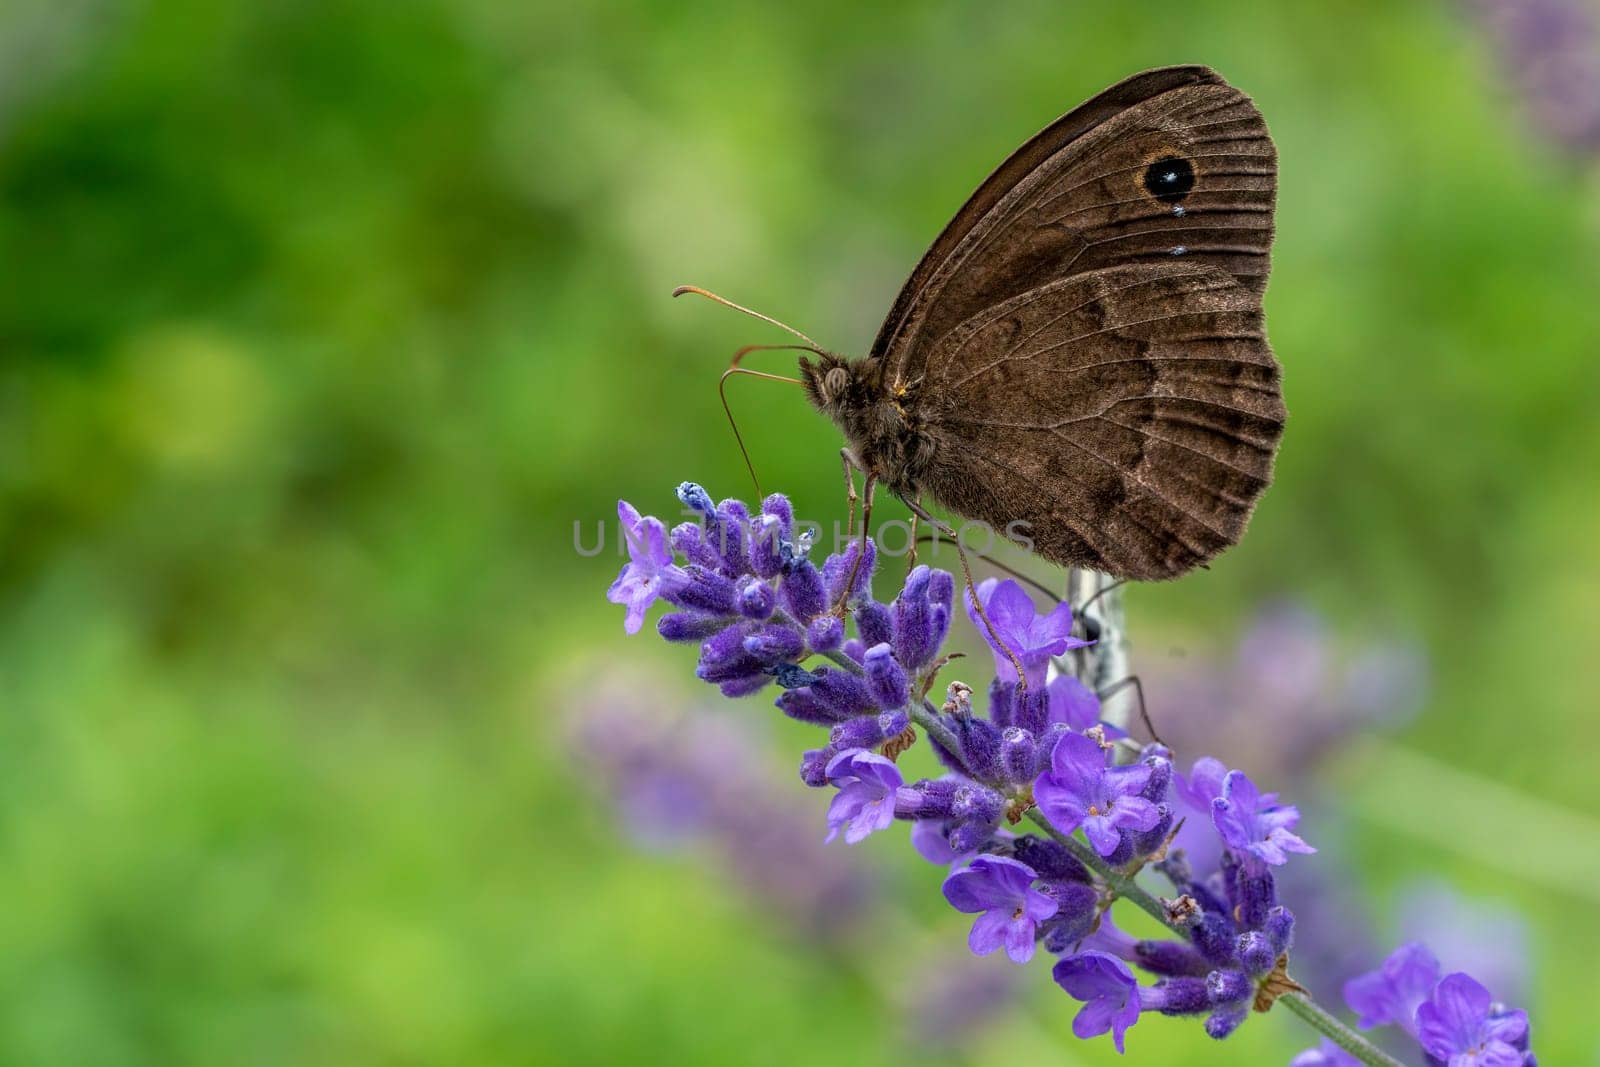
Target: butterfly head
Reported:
[(841, 387)]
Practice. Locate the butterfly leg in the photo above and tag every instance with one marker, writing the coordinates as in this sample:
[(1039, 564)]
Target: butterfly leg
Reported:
[(1138, 690), (868, 491), (1082, 610), (911, 546), (849, 490), (971, 588)]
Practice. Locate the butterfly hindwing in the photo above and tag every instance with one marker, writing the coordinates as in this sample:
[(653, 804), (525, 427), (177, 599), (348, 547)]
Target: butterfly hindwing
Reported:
[(1129, 415)]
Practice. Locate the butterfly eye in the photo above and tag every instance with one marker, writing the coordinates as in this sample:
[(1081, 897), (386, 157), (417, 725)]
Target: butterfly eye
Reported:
[(1169, 179), (835, 381)]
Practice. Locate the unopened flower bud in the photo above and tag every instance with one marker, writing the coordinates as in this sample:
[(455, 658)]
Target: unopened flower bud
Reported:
[(863, 732), (842, 691), (825, 634), (1228, 986), (814, 766), (802, 591), (1019, 755), (684, 626), (755, 598), (873, 623), (1212, 936), (706, 591), (1279, 929), (801, 705), (973, 801), (1256, 953), (1155, 789), (1172, 959), (1224, 1021), (971, 836), (886, 679), (1050, 858), (774, 644)]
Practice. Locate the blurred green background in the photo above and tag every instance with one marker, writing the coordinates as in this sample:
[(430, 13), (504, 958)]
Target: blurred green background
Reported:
[(322, 322)]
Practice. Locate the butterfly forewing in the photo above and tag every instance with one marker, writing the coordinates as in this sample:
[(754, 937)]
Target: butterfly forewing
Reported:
[(1104, 199), (1020, 165), (1084, 344)]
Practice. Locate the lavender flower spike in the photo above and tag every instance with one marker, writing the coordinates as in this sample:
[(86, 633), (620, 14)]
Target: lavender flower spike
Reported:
[(1010, 910), (865, 801), (759, 610), (1459, 1026), (1033, 637), (649, 572), (1080, 790), (1254, 824)]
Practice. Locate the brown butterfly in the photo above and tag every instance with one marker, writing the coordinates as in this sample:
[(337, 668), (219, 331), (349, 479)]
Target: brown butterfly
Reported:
[(1082, 349)]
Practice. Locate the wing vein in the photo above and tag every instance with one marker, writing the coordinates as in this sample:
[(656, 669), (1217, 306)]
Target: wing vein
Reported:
[(1150, 490), (1178, 444), (1071, 340)]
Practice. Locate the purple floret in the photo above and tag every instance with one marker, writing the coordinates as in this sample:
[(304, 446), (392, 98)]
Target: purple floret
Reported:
[(1460, 1025), (1080, 790), (1253, 823), (1009, 909), (1325, 1055), (649, 572), (1202, 784), (1031, 637), (865, 801), (1108, 990), (1392, 993)]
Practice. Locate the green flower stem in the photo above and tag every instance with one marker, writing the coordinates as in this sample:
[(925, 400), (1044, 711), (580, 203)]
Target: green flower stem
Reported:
[(1120, 884), (927, 717), (1336, 1031), (844, 661), (1303, 1006)]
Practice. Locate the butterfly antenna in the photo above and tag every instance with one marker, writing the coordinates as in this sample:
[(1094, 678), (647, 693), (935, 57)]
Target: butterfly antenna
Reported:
[(722, 391), (1132, 681), (680, 290)]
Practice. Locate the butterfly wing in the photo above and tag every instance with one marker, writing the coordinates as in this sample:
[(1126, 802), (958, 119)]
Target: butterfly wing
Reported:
[(1124, 248), (1129, 416)]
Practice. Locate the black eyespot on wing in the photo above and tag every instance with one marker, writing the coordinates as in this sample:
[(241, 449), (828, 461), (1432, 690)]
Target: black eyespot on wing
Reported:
[(1169, 179)]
